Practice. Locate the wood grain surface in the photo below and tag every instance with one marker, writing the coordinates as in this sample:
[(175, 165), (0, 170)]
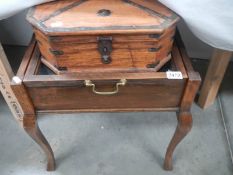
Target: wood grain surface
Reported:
[(68, 34), (77, 17), (144, 91)]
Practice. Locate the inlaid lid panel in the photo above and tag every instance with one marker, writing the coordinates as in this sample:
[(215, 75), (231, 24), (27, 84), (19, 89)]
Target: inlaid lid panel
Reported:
[(77, 17)]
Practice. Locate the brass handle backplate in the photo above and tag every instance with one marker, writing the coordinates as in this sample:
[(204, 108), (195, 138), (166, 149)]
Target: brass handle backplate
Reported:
[(89, 83)]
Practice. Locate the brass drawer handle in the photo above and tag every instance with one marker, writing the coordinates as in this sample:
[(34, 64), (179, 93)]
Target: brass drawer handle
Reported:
[(122, 82)]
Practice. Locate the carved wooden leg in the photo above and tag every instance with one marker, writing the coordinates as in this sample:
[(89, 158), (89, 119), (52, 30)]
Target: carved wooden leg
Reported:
[(183, 127), (33, 130), (6, 75), (184, 116), (30, 121)]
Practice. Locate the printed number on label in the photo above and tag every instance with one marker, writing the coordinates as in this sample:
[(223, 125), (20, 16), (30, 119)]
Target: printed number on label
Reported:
[(174, 75)]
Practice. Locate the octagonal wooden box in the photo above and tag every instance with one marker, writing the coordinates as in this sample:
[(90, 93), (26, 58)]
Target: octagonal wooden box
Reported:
[(114, 35)]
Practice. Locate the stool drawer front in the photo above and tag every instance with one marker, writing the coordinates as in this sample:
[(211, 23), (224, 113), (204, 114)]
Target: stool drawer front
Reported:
[(165, 94)]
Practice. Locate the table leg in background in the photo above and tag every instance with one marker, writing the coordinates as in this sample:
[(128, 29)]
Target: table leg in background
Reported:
[(6, 75), (216, 70)]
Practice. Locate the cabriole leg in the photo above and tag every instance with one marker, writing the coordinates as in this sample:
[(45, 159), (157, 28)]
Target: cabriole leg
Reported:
[(33, 130), (30, 122), (183, 127)]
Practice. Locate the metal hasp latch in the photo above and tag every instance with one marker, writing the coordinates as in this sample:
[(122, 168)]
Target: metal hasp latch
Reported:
[(105, 49)]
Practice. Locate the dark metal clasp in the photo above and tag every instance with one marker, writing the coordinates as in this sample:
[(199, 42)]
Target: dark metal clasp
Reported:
[(56, 52), (153, 65), (105, 49), (156, 36), (154, 49)]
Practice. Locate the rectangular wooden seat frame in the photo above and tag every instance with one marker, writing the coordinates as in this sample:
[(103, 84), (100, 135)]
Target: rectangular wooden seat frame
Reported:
[(148, 91)]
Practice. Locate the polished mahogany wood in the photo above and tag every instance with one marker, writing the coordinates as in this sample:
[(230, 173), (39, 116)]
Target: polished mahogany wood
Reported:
[(182, 129), (136, 35), (30, 123), (33, 130), (81, 17), (184, 115), (144, 91)]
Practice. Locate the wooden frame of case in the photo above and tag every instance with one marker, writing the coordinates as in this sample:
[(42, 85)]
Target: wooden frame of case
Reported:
[(181, 95)]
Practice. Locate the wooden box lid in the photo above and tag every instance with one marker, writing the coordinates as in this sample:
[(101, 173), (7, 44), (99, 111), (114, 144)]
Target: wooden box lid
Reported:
[(81, 17)]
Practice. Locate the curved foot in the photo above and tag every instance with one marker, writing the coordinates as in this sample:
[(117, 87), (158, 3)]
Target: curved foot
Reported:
[(51, 165), (168, 164), (34, 132), (183, 127)]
